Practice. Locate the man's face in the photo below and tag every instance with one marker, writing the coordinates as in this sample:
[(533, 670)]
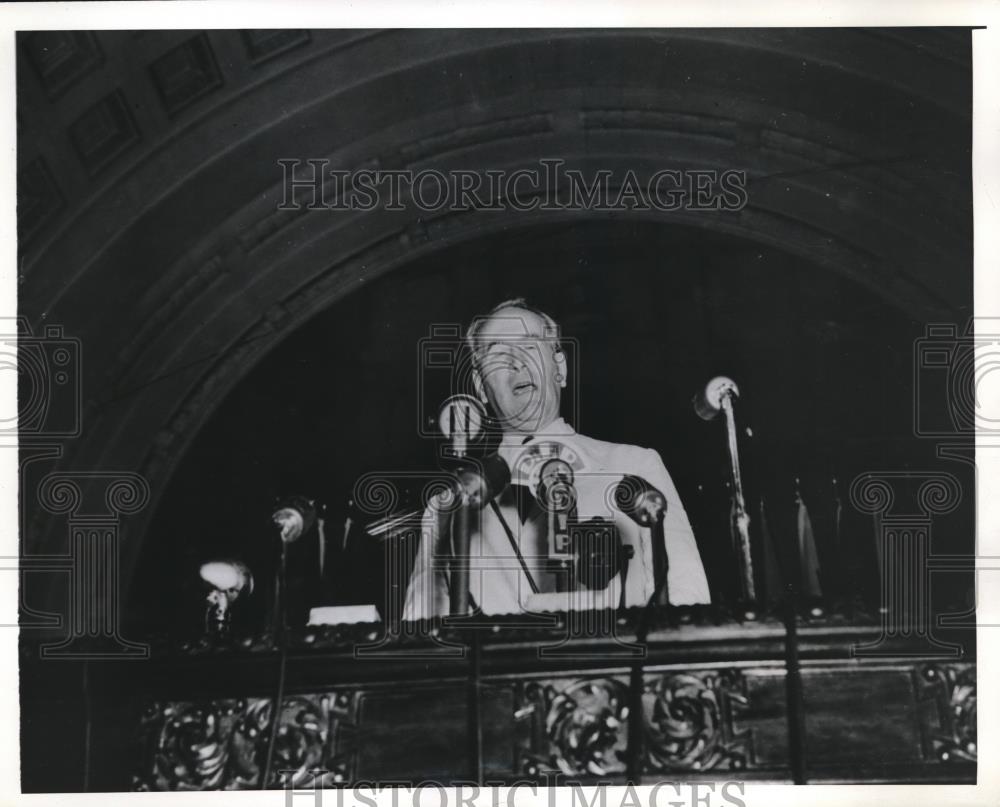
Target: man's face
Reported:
[(521, 369)]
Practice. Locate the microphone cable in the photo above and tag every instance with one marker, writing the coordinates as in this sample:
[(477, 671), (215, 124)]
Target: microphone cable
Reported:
[(642, 626)]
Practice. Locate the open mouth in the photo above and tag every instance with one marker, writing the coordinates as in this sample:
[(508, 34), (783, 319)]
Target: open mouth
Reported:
[(523, 387)]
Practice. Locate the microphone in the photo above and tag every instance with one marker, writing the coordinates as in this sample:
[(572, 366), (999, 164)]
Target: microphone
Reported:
[(647, 506), (482, 482), (294, 516), (225, 581), (557, 496), (461, 422), (554, 490), (476, 486), (591, 552), (718, 397), (711, 400), (640, 501)]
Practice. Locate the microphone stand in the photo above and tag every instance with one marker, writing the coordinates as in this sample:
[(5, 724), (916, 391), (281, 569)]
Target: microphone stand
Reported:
[(661, 568), (461, 529), (659, 598), (477, 482), (661, 564), (741, 517), (654, 519), (718, 396), (281, 639), (460, 421), (468, 506)]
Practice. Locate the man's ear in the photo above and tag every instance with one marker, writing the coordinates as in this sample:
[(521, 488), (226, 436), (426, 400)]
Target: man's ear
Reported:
[(477, 383), (560, 359)]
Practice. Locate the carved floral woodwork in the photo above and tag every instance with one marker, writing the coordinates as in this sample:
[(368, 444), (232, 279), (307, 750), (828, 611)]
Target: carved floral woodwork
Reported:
[(951, 690), (579, 726), (689, 722), (222, 744), (574, 726)]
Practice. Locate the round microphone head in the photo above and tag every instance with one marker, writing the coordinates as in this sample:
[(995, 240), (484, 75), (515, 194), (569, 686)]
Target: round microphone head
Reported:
[(461, 420), (708, 403), (555, 489), (230, 576), (640, 501), (484, 483)]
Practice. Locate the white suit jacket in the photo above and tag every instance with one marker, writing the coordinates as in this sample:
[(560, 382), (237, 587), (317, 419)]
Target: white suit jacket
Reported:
[(498, 583)]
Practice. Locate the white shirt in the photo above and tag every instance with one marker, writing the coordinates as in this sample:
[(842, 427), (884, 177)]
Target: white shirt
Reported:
[(497, 581)]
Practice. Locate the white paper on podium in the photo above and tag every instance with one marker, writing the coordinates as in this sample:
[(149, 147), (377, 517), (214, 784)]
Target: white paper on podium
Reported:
[(343, 615), (580, 600)]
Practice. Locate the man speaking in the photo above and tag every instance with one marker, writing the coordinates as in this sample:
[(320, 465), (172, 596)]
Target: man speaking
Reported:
[(519, 370)]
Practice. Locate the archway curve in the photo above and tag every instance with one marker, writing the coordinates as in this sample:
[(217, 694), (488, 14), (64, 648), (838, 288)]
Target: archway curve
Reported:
[(315, 362), (217, 228), (334, 288)]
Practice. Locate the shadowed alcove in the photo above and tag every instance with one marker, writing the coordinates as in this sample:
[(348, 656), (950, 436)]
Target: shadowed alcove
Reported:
[(650, 312), (150, 188)]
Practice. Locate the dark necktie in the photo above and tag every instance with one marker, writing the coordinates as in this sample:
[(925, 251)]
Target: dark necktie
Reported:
[(527, 504)]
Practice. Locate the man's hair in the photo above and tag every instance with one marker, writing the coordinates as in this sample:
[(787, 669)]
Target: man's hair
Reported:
[(551, 326)]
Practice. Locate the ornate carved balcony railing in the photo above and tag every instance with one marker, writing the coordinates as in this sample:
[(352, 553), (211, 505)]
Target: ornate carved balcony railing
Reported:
[(482, 703)]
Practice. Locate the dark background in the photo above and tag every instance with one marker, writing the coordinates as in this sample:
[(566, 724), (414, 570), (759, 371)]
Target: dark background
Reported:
[(651, 312)]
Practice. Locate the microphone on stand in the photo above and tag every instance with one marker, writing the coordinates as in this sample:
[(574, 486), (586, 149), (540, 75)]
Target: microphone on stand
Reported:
[(640, 501), (647, 506), (482, 481), (556, 494), (293, 517), (588, 553), (461, 422), (477, 484), (718, 396), (709, 401)]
